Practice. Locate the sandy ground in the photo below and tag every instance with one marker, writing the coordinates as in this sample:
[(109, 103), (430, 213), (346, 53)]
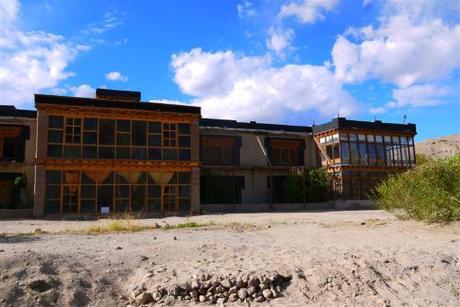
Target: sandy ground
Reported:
[(440, 147), (364, 258)]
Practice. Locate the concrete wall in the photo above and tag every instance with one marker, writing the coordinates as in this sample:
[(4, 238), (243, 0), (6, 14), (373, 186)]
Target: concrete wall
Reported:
[(40, 172)]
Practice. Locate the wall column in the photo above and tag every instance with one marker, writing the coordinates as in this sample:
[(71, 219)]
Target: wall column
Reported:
[(195, 190)]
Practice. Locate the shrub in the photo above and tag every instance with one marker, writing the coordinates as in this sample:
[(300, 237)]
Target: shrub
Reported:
[(430, 192)]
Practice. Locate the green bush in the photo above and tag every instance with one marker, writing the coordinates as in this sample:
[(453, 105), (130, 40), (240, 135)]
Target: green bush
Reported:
[(430, 192)]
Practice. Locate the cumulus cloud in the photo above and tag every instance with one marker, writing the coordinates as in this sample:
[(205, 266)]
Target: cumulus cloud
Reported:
[(416, 96), (83, 90), (279, 40), (227, 85), (307, 11), (399, 52), (30, 61), (115, 76)]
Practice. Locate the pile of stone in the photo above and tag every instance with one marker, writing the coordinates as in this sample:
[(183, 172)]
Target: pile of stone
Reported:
[(215, 289)]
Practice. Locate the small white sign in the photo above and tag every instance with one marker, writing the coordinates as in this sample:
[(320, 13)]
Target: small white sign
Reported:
[(105, 210)]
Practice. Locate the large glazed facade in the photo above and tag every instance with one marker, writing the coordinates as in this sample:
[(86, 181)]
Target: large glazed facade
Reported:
[(114, 154)]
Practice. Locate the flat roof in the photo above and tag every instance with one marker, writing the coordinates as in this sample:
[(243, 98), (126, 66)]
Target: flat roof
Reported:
[(103, 103), (225, 123), (342, 122), (11, 111)]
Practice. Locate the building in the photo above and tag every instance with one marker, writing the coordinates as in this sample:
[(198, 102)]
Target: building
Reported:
[(114, 154), (17, 150)]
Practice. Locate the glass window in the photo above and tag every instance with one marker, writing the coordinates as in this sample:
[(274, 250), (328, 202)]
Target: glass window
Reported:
[(54, 151), (378, 138), (344, 137), (89, 152), (123, 153), (53, 177), (322, 140), (154, 127), (139, 133), (184, 154), (354, 153), (123, 139), (184, 141), (370, 138), (387, 139), (72, 151), (107, 132), (90, 124), (123, 126), (169, 154), (54, 136), (353, 137), (345, 153), (363, 153), (395, 139), (106, 152), (56, 122), (184, 129), (362, 137), (139, 153), (335, 137), (336, 151), (90, 138)]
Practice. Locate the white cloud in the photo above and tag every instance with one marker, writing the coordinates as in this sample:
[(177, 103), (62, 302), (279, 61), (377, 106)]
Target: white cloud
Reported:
[(246, 9), (399, 52), (226, 85), (110, 21), (115, 76), (29, 61), (279, 40), (307, 11), (83, 90), (416, 96)]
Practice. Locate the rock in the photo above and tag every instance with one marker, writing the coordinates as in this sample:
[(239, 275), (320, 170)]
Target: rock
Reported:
[(240, 283), (254, 281), (119, 247), (267, 293), (225, 283), (194, 293), (252, 290), (266, 280), (187, 297), (243, 293), (221, 300), (233, 290), (233, 297), (202, 298), (175, 238), (264, 286), (145, 298), (143, 258), (212, 299), (4, 277), (275, 293), (260, 299), (195, 284), (157, 296), (169, 300), (220, 289)]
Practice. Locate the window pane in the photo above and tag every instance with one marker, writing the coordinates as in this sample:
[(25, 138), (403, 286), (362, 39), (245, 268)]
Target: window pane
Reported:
[(154, 154), (154, 140), (378, 138), (106, 132), (354, 153), (122, 152), (56, 122), (363, 153), (54, 136), (88, 191), (139, 153), (184, 177), (53, 177), (123, 139), (90, 124), (184, 129), (154, 191), (184, 154), (139, 133), (90, 152), (53, 192), (184, 191), (106, 152), (71, 151), (169, 154), (55, 151), (123, 126), (154, 127), (122, 191), (88, 206), (184, 141), (345, 153), (90, 138), (353, 137), (344, 137), (361, 137)]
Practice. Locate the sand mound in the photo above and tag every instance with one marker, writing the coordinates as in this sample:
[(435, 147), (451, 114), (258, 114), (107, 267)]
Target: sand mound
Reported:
[(441, 147)]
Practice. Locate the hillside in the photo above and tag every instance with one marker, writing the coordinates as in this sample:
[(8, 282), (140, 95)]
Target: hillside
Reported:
[(440, 147)]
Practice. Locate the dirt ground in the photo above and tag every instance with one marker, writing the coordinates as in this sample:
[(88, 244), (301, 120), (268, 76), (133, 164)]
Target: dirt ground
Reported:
[(364, 258)]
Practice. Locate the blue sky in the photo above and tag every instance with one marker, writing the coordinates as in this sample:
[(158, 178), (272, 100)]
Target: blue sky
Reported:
[(293, 61)]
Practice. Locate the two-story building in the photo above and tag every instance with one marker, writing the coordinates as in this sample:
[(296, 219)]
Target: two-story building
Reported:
[(114, 154)]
